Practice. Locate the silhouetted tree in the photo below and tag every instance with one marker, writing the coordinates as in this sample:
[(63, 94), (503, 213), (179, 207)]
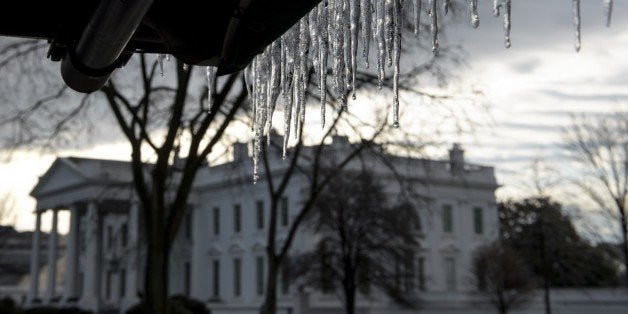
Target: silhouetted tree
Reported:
[(502, 276), (545, 237), (362, 238), (600, 146)]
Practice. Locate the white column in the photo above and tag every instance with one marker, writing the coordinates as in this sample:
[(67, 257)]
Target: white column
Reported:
[(52, 258), (91, 279), (35, 246), (72, 252), (133, 264)]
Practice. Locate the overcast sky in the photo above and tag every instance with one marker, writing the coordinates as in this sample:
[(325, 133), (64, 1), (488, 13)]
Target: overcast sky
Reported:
[(533, 87)]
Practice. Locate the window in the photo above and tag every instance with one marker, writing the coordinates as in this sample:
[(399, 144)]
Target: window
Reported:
[(188, 224), (450, 273), (478, 224), (408, 275), (448, 223), (216, 218), (187, 283), (421, 273), (108, 285), (285, 277), (216, 277), (109, 236), (237, 276), (259, 205), (284, 211), (237, 218), (80, 284), (124, 234), (122, 283), (259, 263)]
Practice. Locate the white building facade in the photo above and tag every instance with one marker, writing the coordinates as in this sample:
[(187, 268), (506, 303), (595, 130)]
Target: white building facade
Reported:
[(219, 255)]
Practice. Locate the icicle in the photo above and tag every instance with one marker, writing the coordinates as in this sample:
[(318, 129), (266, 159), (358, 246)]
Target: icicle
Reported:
[(322, 50), (497, 4), (365, 15), (337, 35), (446, 5), (348, 59), (304, 43), (288, 85), (388, 30), (210, 72), (475, 19), (434, 25), (608, 10), (417, 17), (397, 20), (576, 23), (380, 43), (160, 60), (354, 16), (273, 86), (507, 23)]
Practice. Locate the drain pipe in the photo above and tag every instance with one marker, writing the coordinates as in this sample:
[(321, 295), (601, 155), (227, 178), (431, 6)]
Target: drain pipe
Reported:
[(88, 66)]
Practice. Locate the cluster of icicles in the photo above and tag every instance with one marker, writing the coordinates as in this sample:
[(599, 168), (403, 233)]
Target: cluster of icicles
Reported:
[(338, 35)]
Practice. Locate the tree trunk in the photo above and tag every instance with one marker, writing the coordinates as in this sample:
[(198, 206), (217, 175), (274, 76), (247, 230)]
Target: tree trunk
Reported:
[(502, 307), (350, 300), (624, 229), (156, 280), (270, 300), (546, 280), (349, 286)]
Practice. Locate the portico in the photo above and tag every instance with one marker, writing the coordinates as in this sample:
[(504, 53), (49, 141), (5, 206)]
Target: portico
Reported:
[(94, 196)]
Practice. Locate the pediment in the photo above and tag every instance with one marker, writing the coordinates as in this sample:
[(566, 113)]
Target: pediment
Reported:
[(450, 250), (61, 175), (214, 251), (258, 247), (236, 249)]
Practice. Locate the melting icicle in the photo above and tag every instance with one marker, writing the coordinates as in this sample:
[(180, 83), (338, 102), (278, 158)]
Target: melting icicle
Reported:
[(160, 60), (322, 50), (608, 10), (434, 25), (417, 16), (507, 42), (475, 19), (497, 4), (210, 73), (576, 23), (388, 30), (397, 19), (354, 16), (365, 15), (380, 43), (446, 5)]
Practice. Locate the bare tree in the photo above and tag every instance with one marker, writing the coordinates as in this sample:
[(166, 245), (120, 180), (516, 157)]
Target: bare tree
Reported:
[(162, 119), (599, 145), (363, 237), (503, 278)]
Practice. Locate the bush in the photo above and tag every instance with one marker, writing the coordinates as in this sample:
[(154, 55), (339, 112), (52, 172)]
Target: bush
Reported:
[(178, 305), (7, 305), (54, 310)]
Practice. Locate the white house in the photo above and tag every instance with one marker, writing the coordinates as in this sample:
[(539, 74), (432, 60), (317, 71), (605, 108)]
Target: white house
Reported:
[(219, 257)]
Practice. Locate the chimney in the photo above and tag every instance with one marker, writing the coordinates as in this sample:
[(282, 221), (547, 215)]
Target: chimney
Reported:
[(456, 159)]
